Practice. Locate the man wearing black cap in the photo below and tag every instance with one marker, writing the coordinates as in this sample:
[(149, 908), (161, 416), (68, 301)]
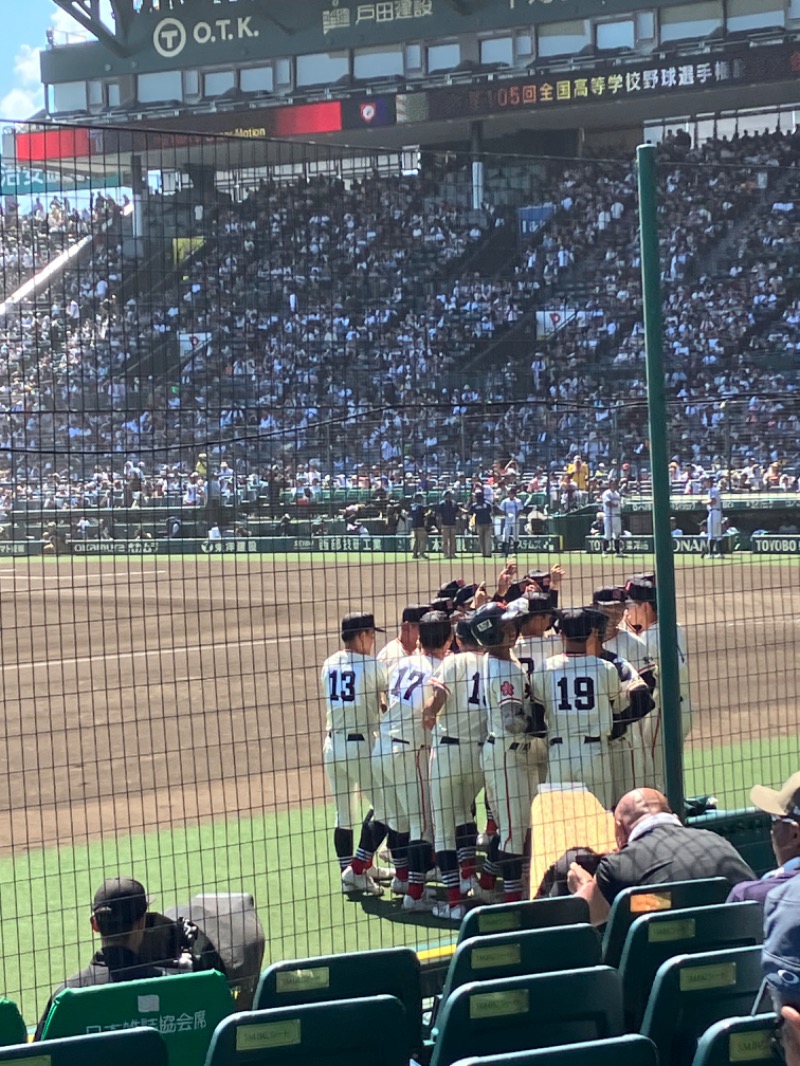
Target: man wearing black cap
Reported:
[(783, 805), (118, 916), (576, 693), (447, 512), (353, 684), (405, 643), (641, 617), (456, 716)]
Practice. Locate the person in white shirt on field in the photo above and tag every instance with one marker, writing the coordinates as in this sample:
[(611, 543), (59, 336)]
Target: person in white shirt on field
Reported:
[(713, 504), (512, 507)]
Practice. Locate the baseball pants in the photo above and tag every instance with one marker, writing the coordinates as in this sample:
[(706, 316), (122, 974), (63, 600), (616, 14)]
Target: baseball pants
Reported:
[(456, 779), (484, 534), (406, 794), (419, 542), (511, 783), (714, 525), (348, 765), (612, 527), (583, 761), (449, 542)]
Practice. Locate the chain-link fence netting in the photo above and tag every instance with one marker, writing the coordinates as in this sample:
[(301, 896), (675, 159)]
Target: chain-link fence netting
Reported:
[(248, 388)]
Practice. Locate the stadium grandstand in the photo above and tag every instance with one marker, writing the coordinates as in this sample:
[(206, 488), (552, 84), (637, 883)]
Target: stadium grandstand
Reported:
[(276, 278)]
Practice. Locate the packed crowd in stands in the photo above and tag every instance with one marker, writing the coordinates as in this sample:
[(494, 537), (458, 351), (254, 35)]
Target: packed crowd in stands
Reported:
[(331, 312)]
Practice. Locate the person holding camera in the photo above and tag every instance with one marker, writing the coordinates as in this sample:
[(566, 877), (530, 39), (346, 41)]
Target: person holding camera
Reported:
[(134, 943)]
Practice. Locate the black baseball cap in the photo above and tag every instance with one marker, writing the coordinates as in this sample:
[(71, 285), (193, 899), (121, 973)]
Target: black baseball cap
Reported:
[(449, 590), (576, 624), (414, 612), (464, 595), (609, 594), (641, 591), (356, 623), (118, 903)]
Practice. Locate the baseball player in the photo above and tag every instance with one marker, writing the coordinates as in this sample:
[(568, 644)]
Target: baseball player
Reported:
[(456, 716), (352, 684), (403, 750), (508, 768), (635, 703), (576, 693), (642, 617), (511, 508), (535, 644), (612, 517), (713, 504), (405, 643), (621, 641)]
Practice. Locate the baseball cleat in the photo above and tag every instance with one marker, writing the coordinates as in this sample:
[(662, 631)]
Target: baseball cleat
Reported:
[(359, 884), (398, 887), (418, 906), (487, 895), (467, 884), (449, 912), (381, 873)]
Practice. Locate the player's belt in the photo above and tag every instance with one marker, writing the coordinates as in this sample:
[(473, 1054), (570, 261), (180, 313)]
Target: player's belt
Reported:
[(349, 737), (586, 740), (518, 745), (449, 740)]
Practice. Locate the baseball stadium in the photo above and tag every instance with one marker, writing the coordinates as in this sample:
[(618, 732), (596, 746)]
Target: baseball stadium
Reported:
[(345, 349)]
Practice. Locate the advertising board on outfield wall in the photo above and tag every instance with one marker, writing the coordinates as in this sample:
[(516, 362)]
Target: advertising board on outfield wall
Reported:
[(271, 545), (646, 545), (777, 544)]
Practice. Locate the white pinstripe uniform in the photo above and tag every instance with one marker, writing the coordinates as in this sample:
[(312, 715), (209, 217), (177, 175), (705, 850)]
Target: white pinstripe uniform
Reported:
[(352, 685), (649, 755), (579, 693), (628, 752), (509, 768), (457, 738), (532, 652), (402, 752)]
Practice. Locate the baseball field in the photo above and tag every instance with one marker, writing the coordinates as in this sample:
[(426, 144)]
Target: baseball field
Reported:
[(161, 716)]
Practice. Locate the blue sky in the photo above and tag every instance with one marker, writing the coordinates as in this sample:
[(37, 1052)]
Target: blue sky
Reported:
[(25, 23)]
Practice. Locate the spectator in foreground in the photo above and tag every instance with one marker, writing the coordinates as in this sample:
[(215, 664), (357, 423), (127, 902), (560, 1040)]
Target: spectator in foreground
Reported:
[(780, 959), (119, 917), (654, 849), (784, 806)]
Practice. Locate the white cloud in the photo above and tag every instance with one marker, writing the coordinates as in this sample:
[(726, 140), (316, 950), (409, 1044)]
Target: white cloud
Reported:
[(26, 95)]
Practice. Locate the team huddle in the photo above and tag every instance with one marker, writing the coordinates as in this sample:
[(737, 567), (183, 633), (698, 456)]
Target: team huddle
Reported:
[(497, 695)]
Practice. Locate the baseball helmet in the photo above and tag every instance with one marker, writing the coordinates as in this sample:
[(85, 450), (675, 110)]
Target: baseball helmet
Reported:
[(488, 623), (609, 594)]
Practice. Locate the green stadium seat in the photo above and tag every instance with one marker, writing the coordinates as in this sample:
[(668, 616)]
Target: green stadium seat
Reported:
[(691, 992), (627, 1050), (185, 1009), (654, 938), (392, 972), (534, 1011), (631, 903), (486, 958), (746, 1041), (129, 1047), (12, 1026), (336, 1034), (529, 914)]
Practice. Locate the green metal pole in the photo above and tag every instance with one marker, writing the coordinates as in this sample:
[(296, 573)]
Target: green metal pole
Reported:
[(668, 677)]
